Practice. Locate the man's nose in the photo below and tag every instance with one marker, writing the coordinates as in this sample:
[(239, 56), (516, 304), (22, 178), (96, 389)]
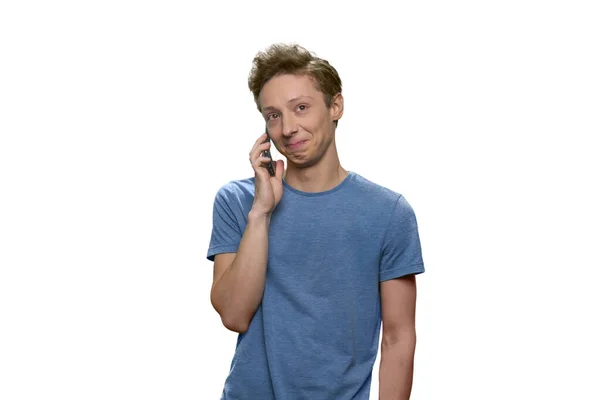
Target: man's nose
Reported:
[(289, 126)]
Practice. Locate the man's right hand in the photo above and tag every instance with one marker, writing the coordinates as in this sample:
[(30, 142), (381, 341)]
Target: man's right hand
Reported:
[(268, 189)]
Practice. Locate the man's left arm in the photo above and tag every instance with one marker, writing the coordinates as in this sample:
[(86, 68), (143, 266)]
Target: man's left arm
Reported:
[(398, 301)]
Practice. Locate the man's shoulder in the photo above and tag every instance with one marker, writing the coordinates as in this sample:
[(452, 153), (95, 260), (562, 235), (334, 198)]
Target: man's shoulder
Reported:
[(375, 191), (236, 189)]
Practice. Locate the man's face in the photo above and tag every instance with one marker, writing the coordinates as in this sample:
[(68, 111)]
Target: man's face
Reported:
[(299, 122)]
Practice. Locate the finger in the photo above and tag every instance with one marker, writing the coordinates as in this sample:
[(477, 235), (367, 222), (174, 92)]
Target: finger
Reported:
[(258, 142), (262, 138), (259, 147), (259, 169), (262, 174), (260, 162), (257, 152), (263, 159)]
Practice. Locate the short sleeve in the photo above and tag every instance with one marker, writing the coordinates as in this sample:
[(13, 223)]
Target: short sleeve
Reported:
[(226, 231), (401, 251)]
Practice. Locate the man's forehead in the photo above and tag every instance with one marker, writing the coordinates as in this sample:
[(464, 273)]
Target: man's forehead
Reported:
[(293, 85), (287, 89)]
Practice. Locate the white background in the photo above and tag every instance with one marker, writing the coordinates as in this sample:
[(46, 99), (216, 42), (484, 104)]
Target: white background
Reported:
[(119, 121)]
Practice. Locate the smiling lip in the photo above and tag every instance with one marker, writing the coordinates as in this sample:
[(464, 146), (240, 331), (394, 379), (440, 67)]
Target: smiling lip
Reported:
[(296, 145)]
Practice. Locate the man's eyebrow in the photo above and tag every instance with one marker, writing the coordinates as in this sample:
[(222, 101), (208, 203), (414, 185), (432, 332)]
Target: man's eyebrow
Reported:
[(289, 101)]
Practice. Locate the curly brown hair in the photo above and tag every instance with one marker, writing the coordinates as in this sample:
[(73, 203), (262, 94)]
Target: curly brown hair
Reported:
[(280, 59)]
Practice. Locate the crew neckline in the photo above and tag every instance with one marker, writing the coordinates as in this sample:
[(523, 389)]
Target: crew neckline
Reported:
[(348, 178)]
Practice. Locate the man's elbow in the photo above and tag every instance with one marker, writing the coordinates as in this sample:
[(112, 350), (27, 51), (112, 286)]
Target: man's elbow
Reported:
[(235, 324), (232, 319)]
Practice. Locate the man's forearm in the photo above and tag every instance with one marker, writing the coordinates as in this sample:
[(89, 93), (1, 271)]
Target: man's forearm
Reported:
[(396, 367), (239, 291)]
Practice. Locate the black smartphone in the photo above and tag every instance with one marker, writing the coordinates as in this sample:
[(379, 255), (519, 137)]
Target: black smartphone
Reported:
[(270, 165)]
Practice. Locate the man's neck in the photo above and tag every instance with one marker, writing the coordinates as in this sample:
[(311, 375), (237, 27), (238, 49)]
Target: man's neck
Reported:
[(319, 178)]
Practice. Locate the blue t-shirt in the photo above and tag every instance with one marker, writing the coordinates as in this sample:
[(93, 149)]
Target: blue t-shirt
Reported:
[(315, 335)]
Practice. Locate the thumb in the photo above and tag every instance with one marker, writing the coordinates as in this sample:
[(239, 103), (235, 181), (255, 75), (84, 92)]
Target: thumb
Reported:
[(279, 169)]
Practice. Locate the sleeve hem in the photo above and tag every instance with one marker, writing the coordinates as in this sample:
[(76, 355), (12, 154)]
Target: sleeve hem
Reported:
[(401, 271), (228, 248)]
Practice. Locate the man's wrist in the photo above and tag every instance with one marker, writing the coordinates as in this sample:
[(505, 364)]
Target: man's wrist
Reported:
[(259, 216)]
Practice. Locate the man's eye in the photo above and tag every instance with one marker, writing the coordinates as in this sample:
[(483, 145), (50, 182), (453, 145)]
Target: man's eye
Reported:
[(302, 107), (271, 116)]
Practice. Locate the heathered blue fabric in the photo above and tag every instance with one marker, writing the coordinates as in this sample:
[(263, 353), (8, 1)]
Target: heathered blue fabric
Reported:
[(315, 335)]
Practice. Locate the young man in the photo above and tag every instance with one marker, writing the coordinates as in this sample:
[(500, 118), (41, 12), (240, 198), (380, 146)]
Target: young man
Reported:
[(310, 261)]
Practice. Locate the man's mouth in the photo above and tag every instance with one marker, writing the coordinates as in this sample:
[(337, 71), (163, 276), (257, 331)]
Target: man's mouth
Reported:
[(295, 145)]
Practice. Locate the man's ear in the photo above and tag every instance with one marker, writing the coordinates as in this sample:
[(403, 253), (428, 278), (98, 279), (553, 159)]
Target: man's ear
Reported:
[(337, 107)]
